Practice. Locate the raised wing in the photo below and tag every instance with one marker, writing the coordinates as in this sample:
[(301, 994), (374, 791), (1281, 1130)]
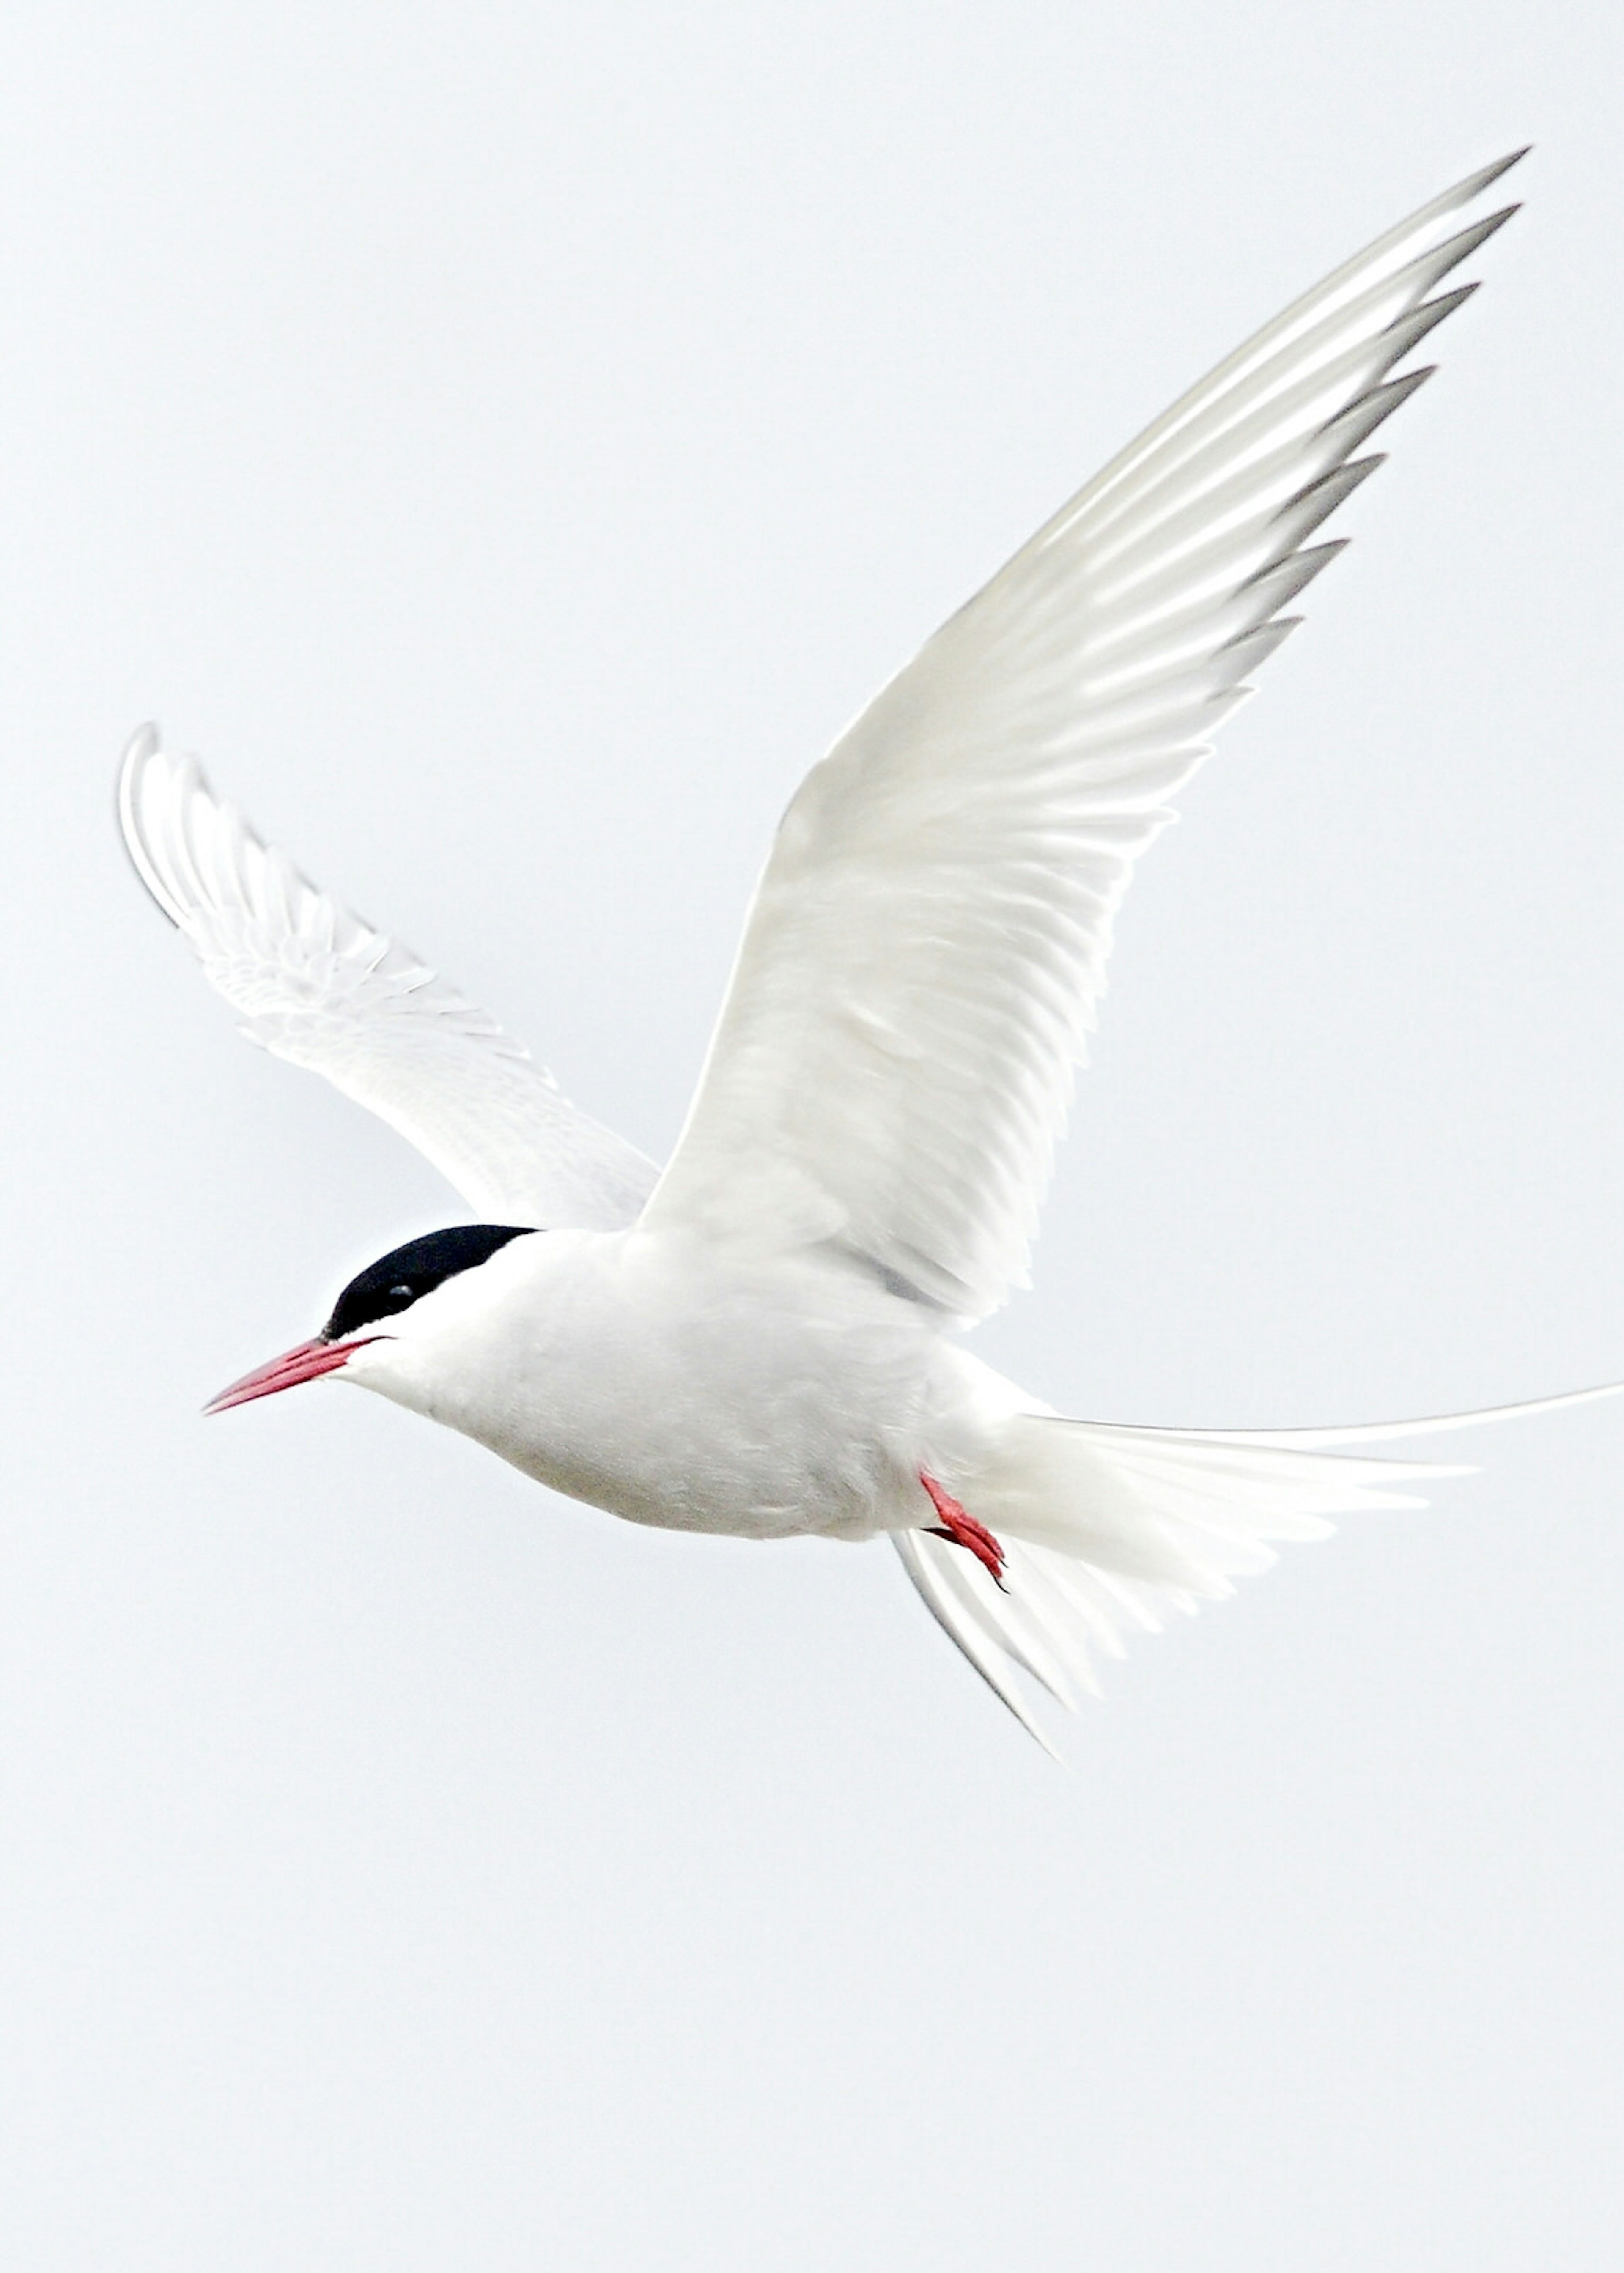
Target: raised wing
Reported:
[(317, 986), (896, 1053)]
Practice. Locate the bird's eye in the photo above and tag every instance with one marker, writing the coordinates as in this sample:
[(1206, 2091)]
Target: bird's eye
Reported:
[(401, 1293)]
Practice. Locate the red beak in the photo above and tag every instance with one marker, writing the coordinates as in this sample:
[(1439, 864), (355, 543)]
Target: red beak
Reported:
[(294, 1365)]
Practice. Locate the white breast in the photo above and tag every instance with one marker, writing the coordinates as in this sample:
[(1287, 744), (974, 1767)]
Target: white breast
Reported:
[(643, 1374)]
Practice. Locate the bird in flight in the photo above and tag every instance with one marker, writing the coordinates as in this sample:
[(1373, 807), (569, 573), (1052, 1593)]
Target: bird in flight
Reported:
[(765, 1337)]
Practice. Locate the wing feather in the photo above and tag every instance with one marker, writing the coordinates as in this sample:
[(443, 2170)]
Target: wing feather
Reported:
[(922, 963), (317, 986)]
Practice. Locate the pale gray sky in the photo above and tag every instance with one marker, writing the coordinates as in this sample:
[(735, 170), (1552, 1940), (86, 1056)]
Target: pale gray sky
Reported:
[(507, 443)]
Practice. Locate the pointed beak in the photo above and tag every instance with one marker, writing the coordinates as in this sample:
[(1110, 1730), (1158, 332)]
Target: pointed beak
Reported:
[(294, 1366)]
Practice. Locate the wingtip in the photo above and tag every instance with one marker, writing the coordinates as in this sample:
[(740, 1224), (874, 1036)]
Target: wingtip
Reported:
[(141, 743), (142, 748), (1463, 192), (1476, 184)]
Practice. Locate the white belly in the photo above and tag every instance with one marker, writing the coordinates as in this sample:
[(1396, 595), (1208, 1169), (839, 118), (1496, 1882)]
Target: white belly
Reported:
[(647, 1376)]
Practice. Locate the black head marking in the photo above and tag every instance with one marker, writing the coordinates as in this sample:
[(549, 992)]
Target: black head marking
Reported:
[(394, 1282)]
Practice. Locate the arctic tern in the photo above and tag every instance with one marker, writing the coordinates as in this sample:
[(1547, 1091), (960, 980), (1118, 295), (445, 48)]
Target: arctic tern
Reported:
[(764, 1339)]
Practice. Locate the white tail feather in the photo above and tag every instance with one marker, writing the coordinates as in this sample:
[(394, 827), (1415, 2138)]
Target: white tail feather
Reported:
[(1108, 1528)]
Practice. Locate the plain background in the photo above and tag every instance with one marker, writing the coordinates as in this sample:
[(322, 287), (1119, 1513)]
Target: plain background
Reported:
[(508, 443)]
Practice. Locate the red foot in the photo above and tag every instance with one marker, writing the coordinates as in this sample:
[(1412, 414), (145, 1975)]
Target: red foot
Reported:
[(963, 1529)]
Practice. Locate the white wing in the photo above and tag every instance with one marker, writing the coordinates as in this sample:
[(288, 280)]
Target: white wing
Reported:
[(317, 986), (896, 1053)]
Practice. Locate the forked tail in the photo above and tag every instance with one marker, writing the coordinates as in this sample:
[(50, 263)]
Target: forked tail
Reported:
[(1106, 1529)]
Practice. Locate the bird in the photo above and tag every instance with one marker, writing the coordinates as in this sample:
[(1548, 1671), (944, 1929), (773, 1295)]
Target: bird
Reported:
[(766, 1336)]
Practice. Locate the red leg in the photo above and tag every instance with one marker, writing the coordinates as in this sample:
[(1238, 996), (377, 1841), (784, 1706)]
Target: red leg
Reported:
[(963, 1529)]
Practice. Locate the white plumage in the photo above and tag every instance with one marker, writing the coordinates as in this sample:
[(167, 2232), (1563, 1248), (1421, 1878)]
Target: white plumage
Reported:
[(317, 986), (763, 1338), (922, 965)]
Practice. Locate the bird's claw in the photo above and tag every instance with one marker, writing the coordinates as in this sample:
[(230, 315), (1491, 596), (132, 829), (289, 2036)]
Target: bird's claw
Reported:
[(961, 1527)]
